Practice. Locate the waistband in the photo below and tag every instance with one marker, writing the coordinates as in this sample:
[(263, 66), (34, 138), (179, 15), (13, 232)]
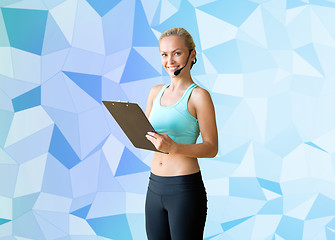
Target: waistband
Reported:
[(165, 185), (181, 179)]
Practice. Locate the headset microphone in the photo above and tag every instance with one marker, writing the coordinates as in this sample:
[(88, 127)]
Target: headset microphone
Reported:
[(176, 73)]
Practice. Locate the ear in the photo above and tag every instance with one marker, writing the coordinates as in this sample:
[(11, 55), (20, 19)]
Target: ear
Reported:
[(193, 55)]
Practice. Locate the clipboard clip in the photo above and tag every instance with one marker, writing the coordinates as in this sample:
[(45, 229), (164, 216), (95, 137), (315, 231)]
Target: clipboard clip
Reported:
[(123, 102)]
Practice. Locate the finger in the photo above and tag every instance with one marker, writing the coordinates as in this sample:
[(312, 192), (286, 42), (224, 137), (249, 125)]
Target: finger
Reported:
[(153, 134), (150, 138)]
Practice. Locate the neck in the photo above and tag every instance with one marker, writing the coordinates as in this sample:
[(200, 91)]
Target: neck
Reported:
[(180, 82)]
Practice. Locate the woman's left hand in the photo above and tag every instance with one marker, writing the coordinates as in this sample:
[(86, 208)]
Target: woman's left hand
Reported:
[(162, 142)]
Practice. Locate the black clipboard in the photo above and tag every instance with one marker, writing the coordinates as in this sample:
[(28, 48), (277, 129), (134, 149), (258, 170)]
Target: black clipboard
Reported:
[(133, 122)]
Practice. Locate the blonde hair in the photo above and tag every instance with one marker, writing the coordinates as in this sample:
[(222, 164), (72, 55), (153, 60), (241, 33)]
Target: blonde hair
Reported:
[(182, 33)]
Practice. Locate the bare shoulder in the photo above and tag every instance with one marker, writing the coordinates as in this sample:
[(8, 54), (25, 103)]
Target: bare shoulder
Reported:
[(157, 88), (200, 101), (154, 92), (200, 94)]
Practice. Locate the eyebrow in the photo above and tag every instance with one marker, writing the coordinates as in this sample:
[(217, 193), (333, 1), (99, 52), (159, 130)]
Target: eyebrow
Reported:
[(172, 51)]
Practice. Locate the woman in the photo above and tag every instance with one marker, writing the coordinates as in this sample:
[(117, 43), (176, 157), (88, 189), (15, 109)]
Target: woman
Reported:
[(176, 201)]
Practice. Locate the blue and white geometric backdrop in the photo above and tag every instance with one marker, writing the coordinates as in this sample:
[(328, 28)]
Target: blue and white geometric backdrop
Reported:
[(67, 171)]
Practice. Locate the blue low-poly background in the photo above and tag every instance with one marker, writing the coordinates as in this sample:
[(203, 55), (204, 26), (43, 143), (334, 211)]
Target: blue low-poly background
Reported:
[(67, 171)]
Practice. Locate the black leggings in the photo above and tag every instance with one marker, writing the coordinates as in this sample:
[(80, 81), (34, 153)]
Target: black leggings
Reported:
[(176, 207)]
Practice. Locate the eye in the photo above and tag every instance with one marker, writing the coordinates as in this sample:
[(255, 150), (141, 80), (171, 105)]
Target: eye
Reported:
[(164, 55), (177, 53)]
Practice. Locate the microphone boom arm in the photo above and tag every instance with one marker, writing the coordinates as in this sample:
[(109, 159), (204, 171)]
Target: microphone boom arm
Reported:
[(176, 73)]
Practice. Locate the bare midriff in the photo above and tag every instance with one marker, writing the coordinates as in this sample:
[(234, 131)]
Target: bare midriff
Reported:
[(173, 165)]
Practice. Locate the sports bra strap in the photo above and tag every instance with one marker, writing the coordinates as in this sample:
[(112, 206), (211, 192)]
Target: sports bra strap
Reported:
[(182, 106), (188, 93), (185, 96), (160, 93)]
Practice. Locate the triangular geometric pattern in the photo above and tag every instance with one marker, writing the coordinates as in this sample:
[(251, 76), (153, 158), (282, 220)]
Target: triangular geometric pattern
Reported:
[(104, 6), (54, 39), (29, 99), (129, 164), (136, 61), (82, 212), (25, 28), (84, 81), (67, 171)]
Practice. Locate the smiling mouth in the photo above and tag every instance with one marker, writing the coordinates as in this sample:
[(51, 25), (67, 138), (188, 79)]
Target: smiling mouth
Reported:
[(173, 68)]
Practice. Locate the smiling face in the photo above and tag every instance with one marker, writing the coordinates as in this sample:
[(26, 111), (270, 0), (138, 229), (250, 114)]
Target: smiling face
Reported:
[(174, 54)]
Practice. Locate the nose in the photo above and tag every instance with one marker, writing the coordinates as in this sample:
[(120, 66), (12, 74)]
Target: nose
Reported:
[(170, 59)]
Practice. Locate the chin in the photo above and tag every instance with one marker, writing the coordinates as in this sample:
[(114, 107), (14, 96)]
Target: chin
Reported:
[(171, 74)]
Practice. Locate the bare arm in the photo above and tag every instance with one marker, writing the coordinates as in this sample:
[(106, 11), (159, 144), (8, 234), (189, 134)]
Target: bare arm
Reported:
[(207, 124)]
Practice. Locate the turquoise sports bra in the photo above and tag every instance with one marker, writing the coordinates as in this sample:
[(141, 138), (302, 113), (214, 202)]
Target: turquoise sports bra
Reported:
[(175, 120)]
